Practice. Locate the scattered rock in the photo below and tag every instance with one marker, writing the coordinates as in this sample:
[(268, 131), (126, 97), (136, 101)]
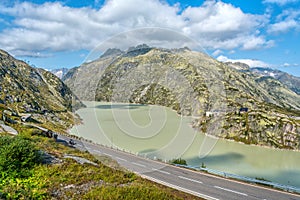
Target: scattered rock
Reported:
[(76, 189), (50, 159), (69, 186), (80, 160), (9, 129)]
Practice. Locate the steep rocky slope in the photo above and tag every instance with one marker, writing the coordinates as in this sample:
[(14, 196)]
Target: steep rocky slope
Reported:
[(290, 81), (253, 109), (29, 91)]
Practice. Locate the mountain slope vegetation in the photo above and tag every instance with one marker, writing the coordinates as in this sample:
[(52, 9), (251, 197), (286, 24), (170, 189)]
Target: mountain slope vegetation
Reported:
[(253, 109)]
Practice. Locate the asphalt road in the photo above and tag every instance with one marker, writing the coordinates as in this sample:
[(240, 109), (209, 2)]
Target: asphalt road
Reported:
[(197, 183)]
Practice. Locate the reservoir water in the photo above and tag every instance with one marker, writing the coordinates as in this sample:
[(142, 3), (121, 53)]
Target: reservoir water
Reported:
[(159, 132)]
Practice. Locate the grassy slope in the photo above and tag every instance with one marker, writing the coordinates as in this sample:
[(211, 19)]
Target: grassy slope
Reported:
[(71, 180)]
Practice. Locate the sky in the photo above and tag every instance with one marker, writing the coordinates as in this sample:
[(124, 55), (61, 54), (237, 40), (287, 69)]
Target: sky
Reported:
[(54, 34)]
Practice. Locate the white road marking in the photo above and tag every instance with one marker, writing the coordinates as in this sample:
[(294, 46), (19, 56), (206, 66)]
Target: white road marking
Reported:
[(138, 164), (107, 154), (180, 188), (89, 148), (233, 191), (189, 179), (161, 171), (120, 158), (97, 151)]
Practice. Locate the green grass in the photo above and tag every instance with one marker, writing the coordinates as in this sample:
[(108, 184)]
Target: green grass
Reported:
[(134, 191), (71, 180)]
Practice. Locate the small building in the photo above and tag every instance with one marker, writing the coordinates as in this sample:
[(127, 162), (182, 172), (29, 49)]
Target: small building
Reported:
[(243, 109), (214, 113), (209, 114)]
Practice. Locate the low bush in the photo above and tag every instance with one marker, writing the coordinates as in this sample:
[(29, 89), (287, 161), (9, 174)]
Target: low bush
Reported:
[(179, 161), (17, 155)]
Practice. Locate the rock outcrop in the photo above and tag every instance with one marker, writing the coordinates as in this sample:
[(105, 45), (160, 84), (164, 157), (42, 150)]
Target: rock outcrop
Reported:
[(27, 90)]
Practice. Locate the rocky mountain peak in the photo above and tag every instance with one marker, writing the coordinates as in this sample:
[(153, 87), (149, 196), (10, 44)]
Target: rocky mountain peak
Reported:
[(112, 52), (138, 50), (238, 65)]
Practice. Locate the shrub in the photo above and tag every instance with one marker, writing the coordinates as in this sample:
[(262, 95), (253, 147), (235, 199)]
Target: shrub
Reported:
[(179, 161), (17, 155)]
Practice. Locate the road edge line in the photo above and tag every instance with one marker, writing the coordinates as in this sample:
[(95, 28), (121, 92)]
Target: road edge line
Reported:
[(178, 188)]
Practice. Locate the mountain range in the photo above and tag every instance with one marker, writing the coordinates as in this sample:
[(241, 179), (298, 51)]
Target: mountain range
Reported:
[(257, 105), (256, 109), (290, 81)]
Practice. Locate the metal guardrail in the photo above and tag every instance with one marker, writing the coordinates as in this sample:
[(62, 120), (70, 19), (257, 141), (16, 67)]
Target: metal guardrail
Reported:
[(287, 188)]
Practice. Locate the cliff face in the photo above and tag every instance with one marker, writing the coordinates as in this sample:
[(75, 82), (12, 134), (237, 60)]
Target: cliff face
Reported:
[(193, 83), (24, 89)]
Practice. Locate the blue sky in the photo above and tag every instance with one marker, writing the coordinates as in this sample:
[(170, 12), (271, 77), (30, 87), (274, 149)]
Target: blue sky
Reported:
[(55, 34)]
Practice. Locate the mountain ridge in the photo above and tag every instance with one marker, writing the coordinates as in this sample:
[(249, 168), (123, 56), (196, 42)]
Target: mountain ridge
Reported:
[(215, 86), (290, 81)]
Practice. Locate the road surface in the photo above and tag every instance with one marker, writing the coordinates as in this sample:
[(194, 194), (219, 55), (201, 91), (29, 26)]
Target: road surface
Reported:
[(197, 183)]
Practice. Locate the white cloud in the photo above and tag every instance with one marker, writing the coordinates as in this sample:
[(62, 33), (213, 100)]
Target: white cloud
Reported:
[(287, 20), (280, 2), (289, 65), (250, 62), (218, 17), (55, 27), (283, 26), (256, 43), (221, 25)]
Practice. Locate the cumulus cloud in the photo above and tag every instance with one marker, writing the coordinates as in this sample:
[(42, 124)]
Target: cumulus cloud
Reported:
[(283, 26), (56, 27), (280, 2), (287, 20), (221, 25), (250, 62)]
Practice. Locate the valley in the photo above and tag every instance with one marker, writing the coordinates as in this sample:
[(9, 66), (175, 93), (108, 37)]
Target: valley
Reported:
[(237, 105), (149, 100), (162, 104)]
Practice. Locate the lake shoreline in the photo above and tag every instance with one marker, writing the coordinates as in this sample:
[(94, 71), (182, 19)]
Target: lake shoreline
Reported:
[(187, 116), (276, 165)]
